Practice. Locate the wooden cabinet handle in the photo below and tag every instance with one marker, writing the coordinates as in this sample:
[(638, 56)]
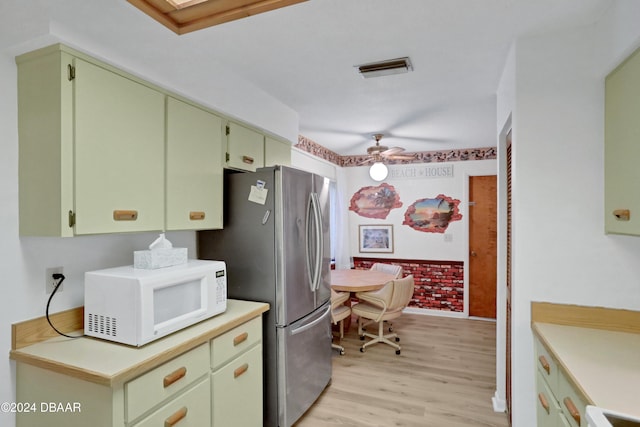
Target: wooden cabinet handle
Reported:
[(177, 416), (125, 215), (241, 370), (174, 376), (543, 401), (248, 160), (622, 214), (240, 338), (571, 407), (196, 216), (545, 364)]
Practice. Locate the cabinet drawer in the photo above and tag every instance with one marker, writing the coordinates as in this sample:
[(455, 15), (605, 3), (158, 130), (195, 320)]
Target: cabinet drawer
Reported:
[(150, 389), (548, 411), (190, 409), (232, 343), (547, 366), (237, 391), (572, 403)]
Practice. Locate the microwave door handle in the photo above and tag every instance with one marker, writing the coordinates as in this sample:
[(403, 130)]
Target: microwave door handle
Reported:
[(310, 272)]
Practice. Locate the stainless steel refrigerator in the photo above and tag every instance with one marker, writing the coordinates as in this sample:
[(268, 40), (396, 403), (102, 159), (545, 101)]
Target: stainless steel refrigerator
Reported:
[(275, 243)]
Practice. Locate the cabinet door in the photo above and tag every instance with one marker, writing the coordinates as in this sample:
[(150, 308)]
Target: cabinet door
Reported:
[(276, 152), (119, 153), (237, 391), (194, 168), (622, 150), (245, 148)]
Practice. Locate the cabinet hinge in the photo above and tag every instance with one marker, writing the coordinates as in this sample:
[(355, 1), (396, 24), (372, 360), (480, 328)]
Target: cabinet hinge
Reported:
[(72, 219), (227, 157), (227, 130), (71, 72)]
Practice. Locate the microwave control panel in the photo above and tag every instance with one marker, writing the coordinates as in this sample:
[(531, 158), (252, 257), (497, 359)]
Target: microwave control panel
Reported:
[(221, 286)]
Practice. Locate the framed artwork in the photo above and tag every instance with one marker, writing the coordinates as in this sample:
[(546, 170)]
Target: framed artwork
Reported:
[(376, 238)]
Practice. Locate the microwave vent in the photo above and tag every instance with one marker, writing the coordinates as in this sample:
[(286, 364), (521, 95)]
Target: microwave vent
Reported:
[(103, 325)]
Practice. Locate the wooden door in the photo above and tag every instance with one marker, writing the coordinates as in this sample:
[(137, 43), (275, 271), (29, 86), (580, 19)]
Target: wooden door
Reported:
[(482, 246)]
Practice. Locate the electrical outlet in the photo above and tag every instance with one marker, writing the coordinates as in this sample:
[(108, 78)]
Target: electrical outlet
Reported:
[(49, 282)]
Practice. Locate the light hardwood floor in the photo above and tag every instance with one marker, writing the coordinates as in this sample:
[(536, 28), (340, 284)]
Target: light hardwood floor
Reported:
[(444, 377)]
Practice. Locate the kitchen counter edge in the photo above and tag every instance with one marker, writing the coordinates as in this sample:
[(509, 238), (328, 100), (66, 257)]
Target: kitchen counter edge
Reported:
[(120, 363)]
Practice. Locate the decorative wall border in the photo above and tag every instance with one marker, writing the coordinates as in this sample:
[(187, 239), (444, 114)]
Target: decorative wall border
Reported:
[(485, 153)]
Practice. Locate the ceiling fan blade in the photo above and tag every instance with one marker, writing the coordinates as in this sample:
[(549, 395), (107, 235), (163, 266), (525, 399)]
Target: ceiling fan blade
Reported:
[(400, 157), (392, 151), (364, 162)]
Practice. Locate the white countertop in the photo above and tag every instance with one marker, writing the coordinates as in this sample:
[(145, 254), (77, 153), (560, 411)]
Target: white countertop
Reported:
[(118, 363), (604, 364)]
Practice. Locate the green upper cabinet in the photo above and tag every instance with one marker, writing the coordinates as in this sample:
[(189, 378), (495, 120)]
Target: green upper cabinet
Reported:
[(245, 148), (622, 148), (194, 168), (276, 152), (119, 153), (91, 156)]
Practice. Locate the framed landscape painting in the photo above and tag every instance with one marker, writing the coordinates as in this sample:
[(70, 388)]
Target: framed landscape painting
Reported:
[(376, 238)]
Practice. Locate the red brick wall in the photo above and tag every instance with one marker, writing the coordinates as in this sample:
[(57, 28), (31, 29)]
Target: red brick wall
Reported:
[(439, 284)]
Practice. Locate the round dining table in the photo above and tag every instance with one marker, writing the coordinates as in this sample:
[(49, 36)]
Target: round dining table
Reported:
[(359, 280)]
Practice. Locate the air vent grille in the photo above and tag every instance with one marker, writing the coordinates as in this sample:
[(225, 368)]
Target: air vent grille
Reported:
[(385, 68), (103, 325)]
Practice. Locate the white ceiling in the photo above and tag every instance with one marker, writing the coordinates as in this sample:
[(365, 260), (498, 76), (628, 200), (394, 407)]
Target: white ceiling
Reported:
[(304, 55)]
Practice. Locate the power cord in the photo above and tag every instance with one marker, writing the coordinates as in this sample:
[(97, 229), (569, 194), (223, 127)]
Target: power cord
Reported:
[(60, 278)]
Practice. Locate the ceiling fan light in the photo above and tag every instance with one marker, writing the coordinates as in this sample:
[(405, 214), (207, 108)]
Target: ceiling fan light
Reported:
[(378, 171)]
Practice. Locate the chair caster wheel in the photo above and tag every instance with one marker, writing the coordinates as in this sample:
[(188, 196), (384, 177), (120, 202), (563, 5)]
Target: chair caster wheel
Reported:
[(362, 338), (341, 352), (397, 339), (361, 349), (390, 329), (397, 351)]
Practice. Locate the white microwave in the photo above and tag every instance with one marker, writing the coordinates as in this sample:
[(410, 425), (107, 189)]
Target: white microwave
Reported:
[(136, 306)]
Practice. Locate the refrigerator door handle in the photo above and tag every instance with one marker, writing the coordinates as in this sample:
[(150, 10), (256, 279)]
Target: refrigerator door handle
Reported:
[(319, 240), (310, 220), (322, 318), (314, 254)]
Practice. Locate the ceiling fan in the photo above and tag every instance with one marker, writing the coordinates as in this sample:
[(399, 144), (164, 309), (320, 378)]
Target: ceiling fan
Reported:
[(379, 153)]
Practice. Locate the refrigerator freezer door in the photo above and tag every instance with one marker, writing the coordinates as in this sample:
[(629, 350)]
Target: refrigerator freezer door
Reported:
[(304, 364)]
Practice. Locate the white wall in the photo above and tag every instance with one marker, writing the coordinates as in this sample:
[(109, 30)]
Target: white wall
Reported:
[(410, 243), (560, 251), (23, 260)]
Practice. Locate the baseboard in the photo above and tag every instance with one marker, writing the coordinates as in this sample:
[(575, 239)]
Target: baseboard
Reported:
[(499, 404), (429, 312)]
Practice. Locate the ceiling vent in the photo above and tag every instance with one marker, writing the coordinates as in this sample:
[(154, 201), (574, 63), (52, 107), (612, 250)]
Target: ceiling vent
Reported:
[(385, 68)]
